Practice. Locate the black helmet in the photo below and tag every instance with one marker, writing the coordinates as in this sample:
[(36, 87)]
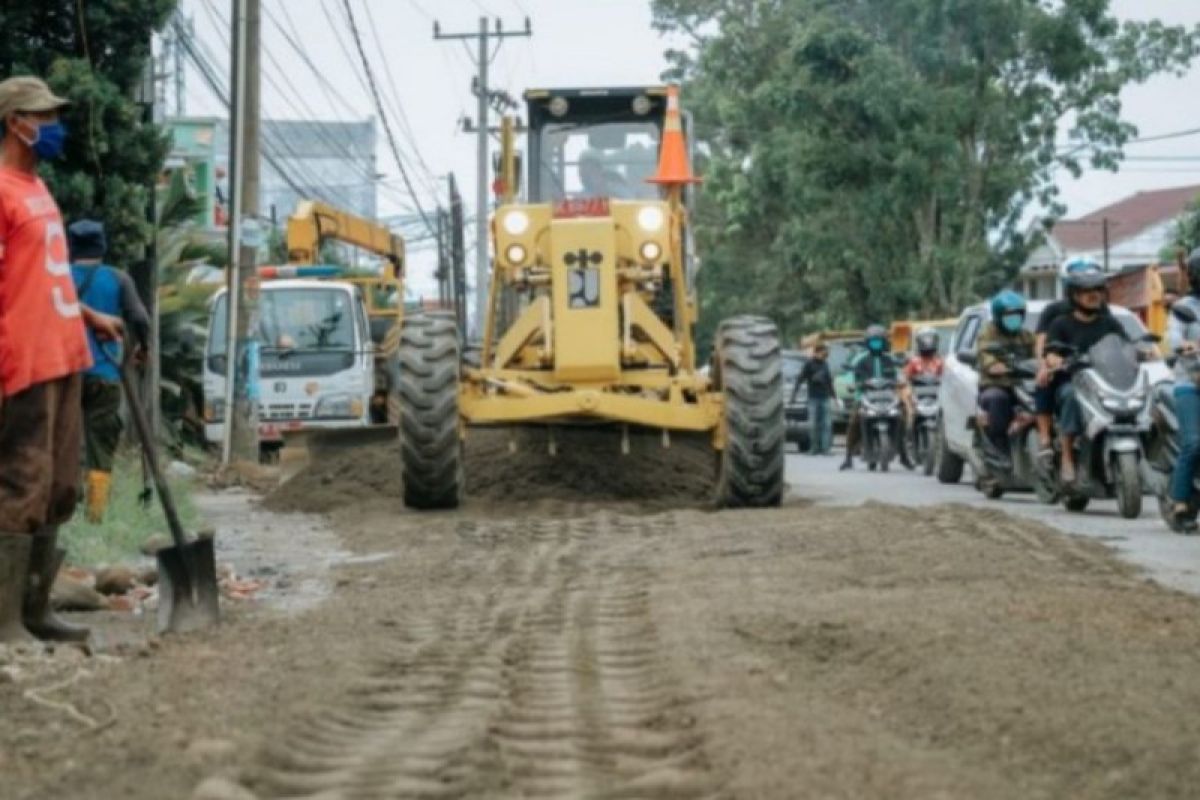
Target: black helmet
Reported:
[(1091, 276), (1193, 270), (927, 341)]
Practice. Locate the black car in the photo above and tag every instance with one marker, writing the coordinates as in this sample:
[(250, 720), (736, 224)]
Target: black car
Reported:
[(795, 409)]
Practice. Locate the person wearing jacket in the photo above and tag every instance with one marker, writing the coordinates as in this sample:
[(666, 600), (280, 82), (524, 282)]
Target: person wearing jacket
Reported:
[(111, 291), (1184, 340), (817, 377), (874, 362), (1003, 339)]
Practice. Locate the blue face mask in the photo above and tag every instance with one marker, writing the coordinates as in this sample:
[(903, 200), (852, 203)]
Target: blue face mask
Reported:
[(48, 142), (875, 345), (1011, 323)]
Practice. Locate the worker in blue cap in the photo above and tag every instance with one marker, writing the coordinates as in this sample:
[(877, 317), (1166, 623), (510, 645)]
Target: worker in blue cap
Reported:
[(107, 289)]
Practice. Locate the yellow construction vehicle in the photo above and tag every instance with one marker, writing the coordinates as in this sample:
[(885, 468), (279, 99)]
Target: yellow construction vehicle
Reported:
[(591, 309)]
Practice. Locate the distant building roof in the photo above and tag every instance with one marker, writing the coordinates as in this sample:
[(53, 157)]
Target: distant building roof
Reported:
[(1126, 218)]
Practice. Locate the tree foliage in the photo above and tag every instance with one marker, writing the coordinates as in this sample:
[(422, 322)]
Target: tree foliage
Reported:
[(94, 53), (876, 158)]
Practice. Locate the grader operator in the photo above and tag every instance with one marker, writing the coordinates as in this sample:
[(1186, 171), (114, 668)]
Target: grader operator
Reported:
[(591, 309)]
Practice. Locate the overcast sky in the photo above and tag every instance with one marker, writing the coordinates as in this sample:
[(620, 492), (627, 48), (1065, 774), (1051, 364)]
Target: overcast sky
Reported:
[(574, 43)]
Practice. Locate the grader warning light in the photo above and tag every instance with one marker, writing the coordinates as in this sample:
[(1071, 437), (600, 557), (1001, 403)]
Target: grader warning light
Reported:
[(592, 308)]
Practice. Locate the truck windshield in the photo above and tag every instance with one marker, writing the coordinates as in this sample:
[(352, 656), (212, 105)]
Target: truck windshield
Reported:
[(295, 319), (598, 159)]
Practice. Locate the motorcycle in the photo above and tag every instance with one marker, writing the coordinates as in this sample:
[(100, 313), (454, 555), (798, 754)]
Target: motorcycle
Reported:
[(924, 424), (1016, 467), (1114, 400), (1162, 448), (880, 413)]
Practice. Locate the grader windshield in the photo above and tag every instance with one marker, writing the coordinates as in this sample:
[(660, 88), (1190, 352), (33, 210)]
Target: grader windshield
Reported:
[(594, 143)]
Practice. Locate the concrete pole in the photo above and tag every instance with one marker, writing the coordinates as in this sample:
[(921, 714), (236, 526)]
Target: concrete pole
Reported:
[(481, 186)]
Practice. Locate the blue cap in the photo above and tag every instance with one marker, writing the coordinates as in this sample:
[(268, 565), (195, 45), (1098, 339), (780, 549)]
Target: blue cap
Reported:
[(86, 239)]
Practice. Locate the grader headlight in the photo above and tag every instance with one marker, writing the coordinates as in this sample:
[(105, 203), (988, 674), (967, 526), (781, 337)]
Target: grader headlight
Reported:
[(516, 254), (650, 252), (651, 219), (516, 222)]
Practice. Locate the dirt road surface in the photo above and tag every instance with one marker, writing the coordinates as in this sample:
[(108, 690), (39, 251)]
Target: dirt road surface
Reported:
[(644, 647)]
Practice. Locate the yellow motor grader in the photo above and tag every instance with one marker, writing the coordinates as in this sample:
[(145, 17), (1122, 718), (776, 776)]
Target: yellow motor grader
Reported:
[(592, 308)]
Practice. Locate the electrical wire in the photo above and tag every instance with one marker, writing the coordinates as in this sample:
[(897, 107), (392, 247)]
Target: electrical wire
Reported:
[(405, 127), (387, 126)]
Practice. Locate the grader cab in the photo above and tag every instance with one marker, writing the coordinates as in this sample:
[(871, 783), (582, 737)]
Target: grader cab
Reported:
[(592, 309)]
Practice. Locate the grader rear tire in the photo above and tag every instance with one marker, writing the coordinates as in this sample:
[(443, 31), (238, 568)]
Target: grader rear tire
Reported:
[(751, 467), (430, 449)]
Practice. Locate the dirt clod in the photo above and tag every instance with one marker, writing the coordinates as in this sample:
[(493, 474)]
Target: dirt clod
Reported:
[(587, 466), (218, 788), (115, 580)]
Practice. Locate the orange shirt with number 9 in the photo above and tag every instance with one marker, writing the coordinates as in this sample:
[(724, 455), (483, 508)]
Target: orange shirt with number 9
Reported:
[(42, 336)]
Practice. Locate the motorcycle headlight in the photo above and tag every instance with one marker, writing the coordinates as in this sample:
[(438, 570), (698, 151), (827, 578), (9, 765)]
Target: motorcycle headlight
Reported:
[(338, 406), (650, 218), (516, 222), (1113, 405)]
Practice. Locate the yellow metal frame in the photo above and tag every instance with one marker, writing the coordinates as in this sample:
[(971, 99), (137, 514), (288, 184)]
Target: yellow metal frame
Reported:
[(522, 377)]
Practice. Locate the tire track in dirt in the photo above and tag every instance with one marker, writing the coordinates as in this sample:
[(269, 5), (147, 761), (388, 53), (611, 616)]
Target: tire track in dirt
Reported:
[(1037, 541), (536, 676)]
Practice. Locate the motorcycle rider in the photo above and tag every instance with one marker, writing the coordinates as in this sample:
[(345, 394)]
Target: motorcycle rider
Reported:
[(1043, 397), (1088, 323), (1006, 333), (1182, 339), (926, 362), (874, 362)]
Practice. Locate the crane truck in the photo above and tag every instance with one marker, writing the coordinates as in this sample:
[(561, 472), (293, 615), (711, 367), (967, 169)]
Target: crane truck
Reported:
[(328, 339)]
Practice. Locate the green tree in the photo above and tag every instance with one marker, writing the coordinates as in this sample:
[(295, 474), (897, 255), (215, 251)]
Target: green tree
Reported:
[(876, 158), (94, 53)]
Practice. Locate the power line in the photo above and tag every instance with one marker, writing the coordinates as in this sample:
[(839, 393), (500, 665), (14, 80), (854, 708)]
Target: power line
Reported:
[(306, 113), (398, 107), (387, 126)]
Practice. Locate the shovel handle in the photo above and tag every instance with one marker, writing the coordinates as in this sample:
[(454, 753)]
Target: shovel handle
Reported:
[(151, 456)]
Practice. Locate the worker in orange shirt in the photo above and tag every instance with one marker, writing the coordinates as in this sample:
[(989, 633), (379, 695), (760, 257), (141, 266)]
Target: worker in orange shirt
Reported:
[(43, 350)]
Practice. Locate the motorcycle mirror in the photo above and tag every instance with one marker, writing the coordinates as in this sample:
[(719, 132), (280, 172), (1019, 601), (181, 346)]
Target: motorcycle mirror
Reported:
[(967, 357), (1151, 338), (1183, 314)]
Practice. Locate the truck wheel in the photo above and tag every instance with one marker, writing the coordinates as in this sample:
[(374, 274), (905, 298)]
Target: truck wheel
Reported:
[(949, 466), (430, 449), (750, 471)]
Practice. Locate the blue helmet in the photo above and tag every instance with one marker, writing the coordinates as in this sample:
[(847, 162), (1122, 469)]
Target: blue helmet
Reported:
[(875, 338), (1007, 302)]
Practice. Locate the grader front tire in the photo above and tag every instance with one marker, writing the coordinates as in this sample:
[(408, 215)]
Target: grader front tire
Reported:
[(430, 449), (751, 467)]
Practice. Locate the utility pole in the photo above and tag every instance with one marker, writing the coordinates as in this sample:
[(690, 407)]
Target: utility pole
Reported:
[(241, 380), (481, 156), (458, 257), (1106, 248), (177, 70)]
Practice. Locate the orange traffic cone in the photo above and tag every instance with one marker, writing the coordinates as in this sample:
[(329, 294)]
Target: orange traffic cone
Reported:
[(673, 167)]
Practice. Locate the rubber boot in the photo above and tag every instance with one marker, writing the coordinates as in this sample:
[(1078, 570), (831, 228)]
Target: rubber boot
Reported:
[(99, 486), (14, 566), (44, 560)]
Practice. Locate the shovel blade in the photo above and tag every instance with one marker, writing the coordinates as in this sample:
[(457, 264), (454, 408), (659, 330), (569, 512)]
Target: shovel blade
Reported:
[(188, 596)]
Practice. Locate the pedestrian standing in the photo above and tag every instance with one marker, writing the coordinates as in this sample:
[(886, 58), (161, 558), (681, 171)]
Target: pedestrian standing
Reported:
[(107, 289), (43, 349), (817, 377)]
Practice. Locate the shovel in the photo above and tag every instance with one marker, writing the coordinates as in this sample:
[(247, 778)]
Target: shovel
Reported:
[(187, 571)]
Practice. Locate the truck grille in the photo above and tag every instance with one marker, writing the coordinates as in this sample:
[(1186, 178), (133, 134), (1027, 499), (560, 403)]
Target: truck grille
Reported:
[(278, 411)]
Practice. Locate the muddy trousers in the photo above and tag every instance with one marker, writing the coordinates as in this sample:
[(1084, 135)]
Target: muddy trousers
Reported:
[(40, 431), (102, 428), (102, 424)]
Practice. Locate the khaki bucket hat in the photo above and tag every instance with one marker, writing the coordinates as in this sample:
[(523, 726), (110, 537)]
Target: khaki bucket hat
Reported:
[(27, 93)]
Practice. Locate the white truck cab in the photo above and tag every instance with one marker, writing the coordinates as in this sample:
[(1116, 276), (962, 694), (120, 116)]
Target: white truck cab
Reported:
[(316, 359)]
